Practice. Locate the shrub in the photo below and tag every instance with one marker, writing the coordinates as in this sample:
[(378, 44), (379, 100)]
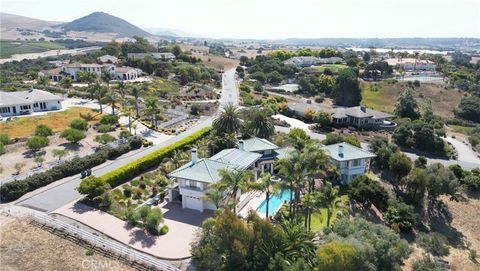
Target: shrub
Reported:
[(2, 148), (135, 182), (433, 243), (135, 142), (79, 124), (104, 139), (43, 130), (109, 119), (366, 191), (133, 168), (142, 185), (89, 251), (127, 192), (104, 128), (401, 215), (93, 187), (36, 143), (164, 230), (428, 264), (73, 135), (4, 139)]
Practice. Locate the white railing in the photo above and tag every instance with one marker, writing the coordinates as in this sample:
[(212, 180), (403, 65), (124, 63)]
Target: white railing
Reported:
[(97, 241)]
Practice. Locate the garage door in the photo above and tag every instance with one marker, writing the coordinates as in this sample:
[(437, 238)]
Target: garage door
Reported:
[(193, 203)]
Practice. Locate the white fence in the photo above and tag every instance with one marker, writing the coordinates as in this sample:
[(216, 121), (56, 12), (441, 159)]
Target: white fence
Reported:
[(105, 244)]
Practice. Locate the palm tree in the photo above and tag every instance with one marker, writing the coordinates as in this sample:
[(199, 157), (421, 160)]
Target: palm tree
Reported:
[(316, 162), (214, 195), (328, 199), (152, 109), (128, 112), (111, 98), (43, 81), (106, 77), (136, 94), (121, 90), (260, 124), (267, 185), (298, 242), (235, 180), (177, 159), (291, 168), (97, 91), (309, 204), (229, 121)]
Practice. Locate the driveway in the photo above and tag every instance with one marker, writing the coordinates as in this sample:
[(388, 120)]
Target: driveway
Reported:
[(465, 153), (230, 90), (182, 224)]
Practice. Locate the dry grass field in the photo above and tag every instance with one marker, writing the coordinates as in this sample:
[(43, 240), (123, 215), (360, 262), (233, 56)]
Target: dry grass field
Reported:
[(58, 121), (383, 96), (26, 247)]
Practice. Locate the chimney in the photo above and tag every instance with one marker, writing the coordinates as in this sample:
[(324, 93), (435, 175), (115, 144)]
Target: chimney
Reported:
[(363, 108), (240, 144), (194, 156), (340, 150)]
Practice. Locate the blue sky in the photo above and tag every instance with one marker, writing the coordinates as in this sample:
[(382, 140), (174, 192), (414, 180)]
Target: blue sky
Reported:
[(275, 18)]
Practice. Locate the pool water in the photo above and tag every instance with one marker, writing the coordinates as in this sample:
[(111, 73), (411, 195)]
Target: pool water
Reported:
[(274, 203)]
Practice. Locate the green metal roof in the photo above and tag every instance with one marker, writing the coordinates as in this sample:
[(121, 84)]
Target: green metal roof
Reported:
[(237, 157), (283, 152), (350, 152), (258, 144), (204, 170)]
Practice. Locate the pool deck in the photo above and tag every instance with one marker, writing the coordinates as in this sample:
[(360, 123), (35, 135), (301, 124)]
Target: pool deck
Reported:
[(253, 204)]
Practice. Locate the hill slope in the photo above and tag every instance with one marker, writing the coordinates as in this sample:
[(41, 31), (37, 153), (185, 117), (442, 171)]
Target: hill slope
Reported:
[(100, 22)]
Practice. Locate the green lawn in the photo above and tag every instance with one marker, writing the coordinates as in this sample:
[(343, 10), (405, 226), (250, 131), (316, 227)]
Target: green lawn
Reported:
[(319, 219), (10, 47)]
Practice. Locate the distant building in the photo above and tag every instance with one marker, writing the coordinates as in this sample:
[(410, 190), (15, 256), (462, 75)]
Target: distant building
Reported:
[(412, 64), (308, 61), (156, 56), (71, 71), (108, 59), (26, 102), (359, 116)]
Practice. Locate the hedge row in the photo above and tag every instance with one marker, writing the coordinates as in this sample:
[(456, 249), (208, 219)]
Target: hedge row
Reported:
[(15, 189), (132, 169)]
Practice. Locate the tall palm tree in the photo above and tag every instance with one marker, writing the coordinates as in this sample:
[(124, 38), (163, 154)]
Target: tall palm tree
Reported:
[(97, 91), (121, 90), (291, 168), (328, 199), (229, 120), (152, 109), (128, 112), (111, 98), (136, 94), (234, 181), (260, 124), (268, 186), (310, 204), (106, 77), (316, 162), (298, 242)]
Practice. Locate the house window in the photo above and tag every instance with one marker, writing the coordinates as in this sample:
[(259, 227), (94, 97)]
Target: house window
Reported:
[(356, 162), (25, 107), (5, 110), (35, 105)]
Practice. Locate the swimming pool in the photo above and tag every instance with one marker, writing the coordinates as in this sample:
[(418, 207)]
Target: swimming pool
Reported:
[(274, 203)]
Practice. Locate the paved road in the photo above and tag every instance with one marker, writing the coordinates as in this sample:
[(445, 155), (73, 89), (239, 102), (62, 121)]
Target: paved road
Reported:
[(63, 191)]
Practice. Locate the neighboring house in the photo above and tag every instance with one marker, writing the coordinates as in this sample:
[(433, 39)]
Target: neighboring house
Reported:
[(350, 161), (192, 180), (412, 64), (71, 71), (126, 73), (108, 59), (360, 117), (156, 56), (307, 61), (26, 102)]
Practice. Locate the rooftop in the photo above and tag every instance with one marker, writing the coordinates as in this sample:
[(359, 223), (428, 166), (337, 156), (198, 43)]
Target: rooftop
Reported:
[(26, 97), (236, 157), (349, 152), (204, 170), (258, 144), (359, 112)]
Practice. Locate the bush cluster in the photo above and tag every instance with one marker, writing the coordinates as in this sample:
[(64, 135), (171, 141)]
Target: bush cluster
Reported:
[(122, 174), (14, 190)]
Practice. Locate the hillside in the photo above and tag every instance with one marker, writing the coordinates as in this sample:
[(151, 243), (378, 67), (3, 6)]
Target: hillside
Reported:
[(13, 26), (100, 22)]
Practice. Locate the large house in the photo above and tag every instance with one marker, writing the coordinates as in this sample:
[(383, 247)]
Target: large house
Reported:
[(308, 61), (412, 64), (107, 59), (156, 56), (26, 102), (360, 117), (350, 161), (71, 71), (193, 179)]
